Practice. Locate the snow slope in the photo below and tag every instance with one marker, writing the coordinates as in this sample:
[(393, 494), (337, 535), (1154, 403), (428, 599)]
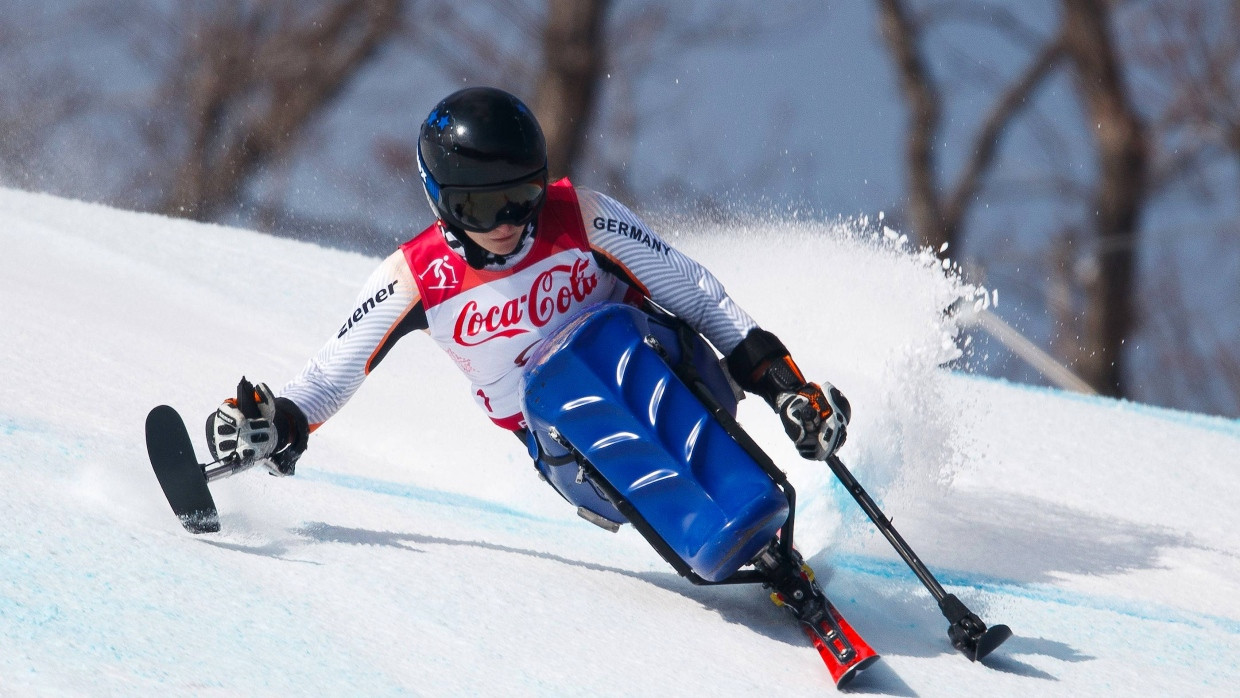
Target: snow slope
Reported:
[(416, 553)]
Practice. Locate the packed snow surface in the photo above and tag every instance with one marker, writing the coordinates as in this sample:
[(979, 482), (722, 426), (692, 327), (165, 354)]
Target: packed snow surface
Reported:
[(416, 552)]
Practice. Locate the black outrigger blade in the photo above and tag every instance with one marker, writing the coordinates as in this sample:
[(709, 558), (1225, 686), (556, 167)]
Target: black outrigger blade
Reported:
[(968, 633), (182, 478)]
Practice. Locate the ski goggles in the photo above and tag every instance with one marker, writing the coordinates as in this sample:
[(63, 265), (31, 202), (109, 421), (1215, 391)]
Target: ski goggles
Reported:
[(485, 208)]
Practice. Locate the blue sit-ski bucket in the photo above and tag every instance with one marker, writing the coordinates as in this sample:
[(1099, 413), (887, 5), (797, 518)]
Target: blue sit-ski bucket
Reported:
[(606, 386)]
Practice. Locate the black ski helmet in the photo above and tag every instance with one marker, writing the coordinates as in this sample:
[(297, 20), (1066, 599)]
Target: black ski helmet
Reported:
[(483, 160)]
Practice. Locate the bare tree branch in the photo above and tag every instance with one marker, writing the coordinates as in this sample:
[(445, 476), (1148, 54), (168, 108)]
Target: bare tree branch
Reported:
[(251, 80), (1188, 54), (1198, 366), (937, 219), (986, 142), (991, 15)]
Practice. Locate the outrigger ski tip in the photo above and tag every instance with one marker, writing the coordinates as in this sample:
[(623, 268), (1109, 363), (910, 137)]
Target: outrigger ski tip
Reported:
[(967, 632), (182, 478)]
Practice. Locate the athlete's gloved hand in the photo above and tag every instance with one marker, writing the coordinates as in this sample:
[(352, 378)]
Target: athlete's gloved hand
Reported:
[(243, 431), (815, 418)]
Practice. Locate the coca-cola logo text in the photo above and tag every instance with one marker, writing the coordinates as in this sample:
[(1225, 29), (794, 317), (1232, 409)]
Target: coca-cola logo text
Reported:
[(553, 292)]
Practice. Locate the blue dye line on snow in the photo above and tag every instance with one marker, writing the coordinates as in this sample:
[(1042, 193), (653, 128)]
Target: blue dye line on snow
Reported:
[(10, 425), (420, 494), (875, 567), (897, 571), (1196, 420)]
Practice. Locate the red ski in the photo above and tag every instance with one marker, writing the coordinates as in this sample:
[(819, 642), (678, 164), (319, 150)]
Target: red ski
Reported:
[(845, 652)]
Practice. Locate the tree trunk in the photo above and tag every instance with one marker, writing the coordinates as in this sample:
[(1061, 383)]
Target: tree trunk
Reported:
[(573, 60), (251, 81), (921, 95), (1121, 139)]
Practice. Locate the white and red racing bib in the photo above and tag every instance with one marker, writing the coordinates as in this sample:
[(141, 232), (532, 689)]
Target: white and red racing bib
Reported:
[(489, 322)]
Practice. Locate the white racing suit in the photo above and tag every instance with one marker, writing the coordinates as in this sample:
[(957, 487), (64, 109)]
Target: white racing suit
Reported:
[(586, 248)]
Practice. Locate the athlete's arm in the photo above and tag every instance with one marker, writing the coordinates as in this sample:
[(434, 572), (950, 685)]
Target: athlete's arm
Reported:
[(635, 253), (814, 416), (387, 308)]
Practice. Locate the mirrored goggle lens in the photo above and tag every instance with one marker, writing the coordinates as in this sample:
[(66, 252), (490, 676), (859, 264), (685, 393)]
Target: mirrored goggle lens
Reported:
[(482, 211)]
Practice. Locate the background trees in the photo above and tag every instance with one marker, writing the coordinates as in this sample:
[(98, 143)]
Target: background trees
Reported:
[(1082, 156), (1151, 105)]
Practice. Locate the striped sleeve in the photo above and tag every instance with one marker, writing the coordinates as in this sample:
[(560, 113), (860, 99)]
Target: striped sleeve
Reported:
[(387, 307), (665, 275)]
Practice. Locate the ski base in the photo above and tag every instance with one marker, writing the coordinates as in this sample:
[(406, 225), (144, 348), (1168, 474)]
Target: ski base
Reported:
[(180, 476)]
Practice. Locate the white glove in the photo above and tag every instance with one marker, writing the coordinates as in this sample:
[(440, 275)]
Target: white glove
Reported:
[(815, 419), (243, 431)]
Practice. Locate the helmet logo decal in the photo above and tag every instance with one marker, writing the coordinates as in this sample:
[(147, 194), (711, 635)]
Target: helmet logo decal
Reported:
[(437, 120), (445, 274)]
